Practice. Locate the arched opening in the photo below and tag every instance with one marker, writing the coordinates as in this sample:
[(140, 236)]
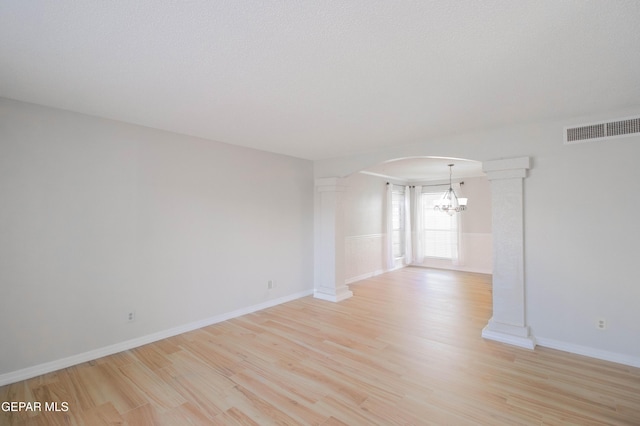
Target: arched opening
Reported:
[(508, 323), (460, 242)]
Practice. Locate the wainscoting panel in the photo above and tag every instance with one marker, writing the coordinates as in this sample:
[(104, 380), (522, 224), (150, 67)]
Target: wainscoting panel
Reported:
[(364, 256), (476, 255), (477, 252)]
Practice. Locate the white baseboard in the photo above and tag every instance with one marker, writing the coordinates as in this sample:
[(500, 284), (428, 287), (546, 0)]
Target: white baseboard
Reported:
[(48, 367), (372, 274), (343, 295), (458, 268), (475, 270), (590, 352), (396, 267), (527, 342), (364, 276)]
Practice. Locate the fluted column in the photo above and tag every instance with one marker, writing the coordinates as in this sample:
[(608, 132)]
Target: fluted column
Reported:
[(508, 323)]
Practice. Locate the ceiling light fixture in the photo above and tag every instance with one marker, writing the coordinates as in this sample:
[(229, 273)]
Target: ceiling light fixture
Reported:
[(449, 202)]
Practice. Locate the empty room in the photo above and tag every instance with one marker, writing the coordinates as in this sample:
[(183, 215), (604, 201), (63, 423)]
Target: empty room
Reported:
[(319, 213)]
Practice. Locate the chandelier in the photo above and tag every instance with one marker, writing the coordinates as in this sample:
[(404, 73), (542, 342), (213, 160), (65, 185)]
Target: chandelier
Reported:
[(449, 202)]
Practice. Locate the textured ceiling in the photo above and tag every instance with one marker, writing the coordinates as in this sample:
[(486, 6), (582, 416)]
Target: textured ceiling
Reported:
[(321, 79)]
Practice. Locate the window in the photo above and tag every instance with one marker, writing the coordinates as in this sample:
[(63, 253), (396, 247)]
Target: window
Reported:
[(440, 230), (397, 222)]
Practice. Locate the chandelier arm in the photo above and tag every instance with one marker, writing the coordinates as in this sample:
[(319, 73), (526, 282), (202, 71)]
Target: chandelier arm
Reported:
[(449, 202)]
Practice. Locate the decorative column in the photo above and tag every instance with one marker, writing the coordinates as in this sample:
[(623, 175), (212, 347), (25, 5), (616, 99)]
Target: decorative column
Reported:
[(329, 236), (508, 324)]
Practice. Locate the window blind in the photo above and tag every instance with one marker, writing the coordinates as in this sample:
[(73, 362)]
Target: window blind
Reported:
[(440, 233)]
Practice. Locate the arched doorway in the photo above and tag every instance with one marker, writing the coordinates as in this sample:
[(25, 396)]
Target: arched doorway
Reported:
[(508, 323), (465, 246)]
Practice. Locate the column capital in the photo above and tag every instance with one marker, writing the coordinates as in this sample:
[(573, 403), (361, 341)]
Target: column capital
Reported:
[(509, 168)]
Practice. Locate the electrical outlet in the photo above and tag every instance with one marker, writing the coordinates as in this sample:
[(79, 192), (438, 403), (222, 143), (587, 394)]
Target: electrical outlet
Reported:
[(131, 316), (270, 284), (601, 324)]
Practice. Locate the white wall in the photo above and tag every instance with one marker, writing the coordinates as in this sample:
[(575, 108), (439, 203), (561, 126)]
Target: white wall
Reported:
[(100, 217), (476, 226), (581, 245), (365, 232), (580, 208)]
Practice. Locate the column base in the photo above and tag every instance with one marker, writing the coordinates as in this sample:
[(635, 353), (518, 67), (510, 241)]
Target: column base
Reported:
[(338, 296), (509, 334)]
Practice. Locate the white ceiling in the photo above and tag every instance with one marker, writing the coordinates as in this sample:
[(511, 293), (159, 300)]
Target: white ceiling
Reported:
[(321, 79)]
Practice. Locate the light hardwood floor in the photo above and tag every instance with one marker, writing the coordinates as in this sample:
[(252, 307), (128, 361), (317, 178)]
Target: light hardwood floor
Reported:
[(406, 349)]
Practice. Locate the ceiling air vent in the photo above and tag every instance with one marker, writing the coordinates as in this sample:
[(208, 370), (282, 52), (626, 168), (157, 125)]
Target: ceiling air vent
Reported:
[(600, 131)]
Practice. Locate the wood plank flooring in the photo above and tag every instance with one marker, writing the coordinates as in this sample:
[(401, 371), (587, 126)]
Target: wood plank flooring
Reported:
[(406, 349)]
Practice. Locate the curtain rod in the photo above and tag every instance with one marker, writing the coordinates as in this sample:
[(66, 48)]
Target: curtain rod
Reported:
[(435, 184), (439, 184), (444, 184)]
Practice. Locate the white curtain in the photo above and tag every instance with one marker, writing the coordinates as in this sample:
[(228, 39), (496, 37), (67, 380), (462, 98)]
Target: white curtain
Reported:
[(454, 239), (418, 233), (456, 243), (408, 252), (388, 219)]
